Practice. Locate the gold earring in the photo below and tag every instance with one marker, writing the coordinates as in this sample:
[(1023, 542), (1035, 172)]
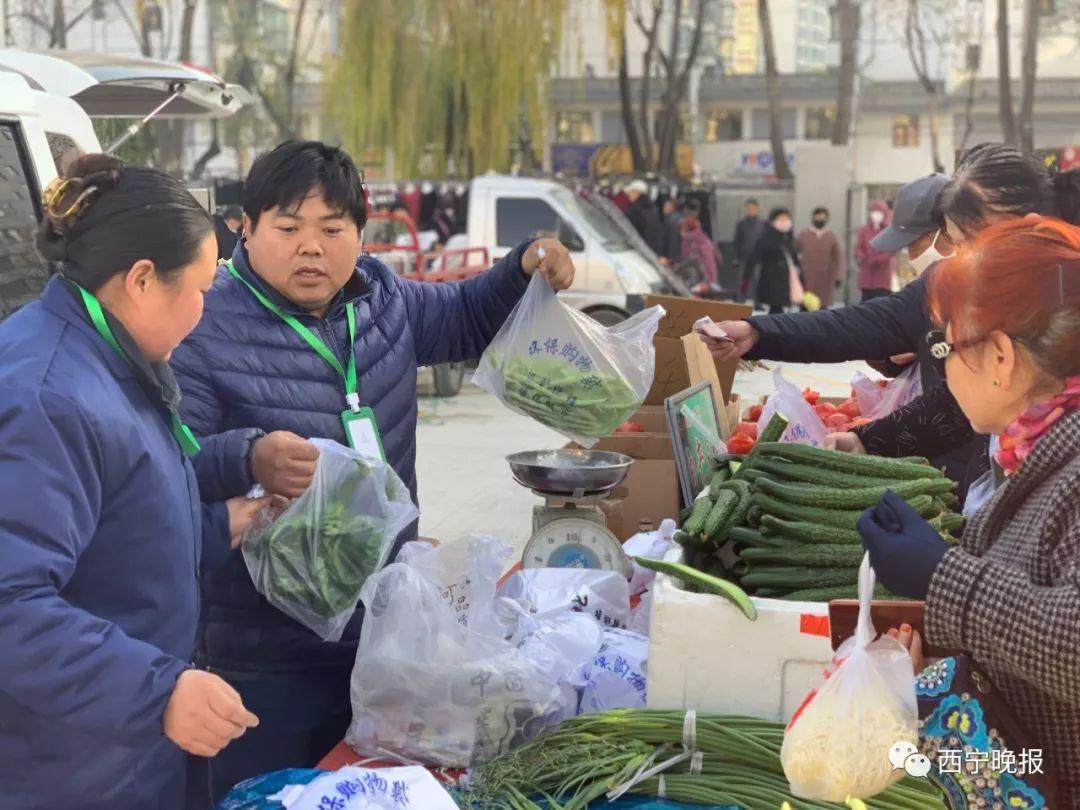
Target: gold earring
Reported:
[(997, 383)]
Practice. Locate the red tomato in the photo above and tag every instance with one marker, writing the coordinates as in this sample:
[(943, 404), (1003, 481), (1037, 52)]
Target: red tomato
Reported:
[(811, 396), (825, 410), (746, 429), (630, 427), (837, 421), (850, 409), (753, 413), (740, 444)]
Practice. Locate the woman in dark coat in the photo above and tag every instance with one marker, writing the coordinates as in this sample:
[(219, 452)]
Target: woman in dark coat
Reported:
[(770, 263)]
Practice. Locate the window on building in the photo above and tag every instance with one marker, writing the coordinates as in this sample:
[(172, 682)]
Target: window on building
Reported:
[(574, 127), (820, 122), (761, 123), (905, 130), (723, 125)]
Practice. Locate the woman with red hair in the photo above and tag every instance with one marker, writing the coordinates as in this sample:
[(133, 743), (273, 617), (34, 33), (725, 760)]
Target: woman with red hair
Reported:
[(1009, 594)]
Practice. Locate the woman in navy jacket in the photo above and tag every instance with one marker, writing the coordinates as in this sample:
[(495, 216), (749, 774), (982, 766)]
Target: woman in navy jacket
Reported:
[(101, 528)]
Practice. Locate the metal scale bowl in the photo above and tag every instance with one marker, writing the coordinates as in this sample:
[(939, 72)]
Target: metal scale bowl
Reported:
[(569, 529)]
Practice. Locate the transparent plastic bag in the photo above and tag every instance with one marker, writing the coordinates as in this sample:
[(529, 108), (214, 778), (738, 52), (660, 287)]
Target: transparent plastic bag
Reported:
[(311, 559), (547, 592), (615, 677), (426, 688), (877, 402), (838, 743), (557, 365), (804, 425)]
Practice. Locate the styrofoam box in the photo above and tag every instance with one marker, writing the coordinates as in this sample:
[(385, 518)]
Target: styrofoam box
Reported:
[(704, 654)]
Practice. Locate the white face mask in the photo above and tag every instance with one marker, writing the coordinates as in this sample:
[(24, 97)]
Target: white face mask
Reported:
[(782, 225), (877, 217), (927, 257)]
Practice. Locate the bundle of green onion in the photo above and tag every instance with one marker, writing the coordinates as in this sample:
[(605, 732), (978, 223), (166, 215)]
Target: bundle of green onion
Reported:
[(589, 758)]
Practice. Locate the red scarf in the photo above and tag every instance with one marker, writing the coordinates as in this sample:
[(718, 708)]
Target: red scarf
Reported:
[(1021, 436)]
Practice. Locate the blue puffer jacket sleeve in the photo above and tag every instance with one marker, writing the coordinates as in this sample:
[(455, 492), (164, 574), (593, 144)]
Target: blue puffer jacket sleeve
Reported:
[(452, 323), (216, 537), (222, 466), (60, 661)]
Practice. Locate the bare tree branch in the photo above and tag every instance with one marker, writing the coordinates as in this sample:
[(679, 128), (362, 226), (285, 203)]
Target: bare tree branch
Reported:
[(1005, 103), (1028, 69)]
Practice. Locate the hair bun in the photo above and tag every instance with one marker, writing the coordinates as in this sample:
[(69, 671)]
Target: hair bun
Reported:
[(67, 197)]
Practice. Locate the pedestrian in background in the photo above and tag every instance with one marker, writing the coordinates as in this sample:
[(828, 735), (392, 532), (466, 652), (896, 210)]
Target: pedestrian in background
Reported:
[(875, 266), (771, 264), (643, 215), (227, 226), (821, 258), (747, 231), (696, 244), (671, 232)]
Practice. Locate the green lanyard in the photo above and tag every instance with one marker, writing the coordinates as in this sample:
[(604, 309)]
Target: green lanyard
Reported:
[(348, 373), (181, 432)]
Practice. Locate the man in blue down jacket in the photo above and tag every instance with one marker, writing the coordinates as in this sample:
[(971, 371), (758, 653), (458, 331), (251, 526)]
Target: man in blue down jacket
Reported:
[(255, 390)]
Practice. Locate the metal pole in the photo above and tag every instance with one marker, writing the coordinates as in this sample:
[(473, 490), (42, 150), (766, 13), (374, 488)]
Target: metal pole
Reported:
[(131, 131)]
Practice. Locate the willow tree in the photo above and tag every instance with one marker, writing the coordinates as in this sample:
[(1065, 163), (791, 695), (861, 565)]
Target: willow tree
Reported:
[(444, 80)]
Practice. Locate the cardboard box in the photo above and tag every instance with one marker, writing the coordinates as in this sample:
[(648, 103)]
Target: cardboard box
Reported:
[(672, 375), (651, 488), (652, 418)]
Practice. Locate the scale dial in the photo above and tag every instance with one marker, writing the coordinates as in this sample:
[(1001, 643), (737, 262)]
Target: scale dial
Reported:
[(575, 543)]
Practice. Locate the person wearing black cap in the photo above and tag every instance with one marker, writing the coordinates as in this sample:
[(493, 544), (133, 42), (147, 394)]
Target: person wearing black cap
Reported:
[(917, 226)]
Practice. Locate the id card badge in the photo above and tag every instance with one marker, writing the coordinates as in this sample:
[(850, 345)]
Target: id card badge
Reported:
[(362, 432)]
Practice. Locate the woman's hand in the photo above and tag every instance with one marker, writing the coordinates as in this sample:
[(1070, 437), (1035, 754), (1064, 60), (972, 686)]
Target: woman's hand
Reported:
[(205, 714), (743, 337), (552, 259), (910, 639), (845, 443)]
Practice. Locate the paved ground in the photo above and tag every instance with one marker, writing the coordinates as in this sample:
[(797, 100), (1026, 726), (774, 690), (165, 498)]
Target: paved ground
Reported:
[(465, 483)]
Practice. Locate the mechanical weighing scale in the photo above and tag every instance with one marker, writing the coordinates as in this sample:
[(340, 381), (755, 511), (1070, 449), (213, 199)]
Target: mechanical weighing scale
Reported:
[(569, 529)]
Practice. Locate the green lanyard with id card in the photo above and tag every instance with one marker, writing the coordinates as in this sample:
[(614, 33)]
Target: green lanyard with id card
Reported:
[(361, 430)]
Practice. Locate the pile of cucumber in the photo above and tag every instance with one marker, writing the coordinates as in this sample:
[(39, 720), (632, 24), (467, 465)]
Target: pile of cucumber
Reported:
[(782, 521)]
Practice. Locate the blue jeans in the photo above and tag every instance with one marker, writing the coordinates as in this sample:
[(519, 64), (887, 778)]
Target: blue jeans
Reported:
[(302, 716)]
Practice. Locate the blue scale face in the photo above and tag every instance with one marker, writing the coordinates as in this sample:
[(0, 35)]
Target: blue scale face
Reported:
[(574, 543)]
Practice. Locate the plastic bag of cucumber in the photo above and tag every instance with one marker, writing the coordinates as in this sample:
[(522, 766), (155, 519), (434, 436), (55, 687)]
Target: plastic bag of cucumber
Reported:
[(559, 366), (780, 522)]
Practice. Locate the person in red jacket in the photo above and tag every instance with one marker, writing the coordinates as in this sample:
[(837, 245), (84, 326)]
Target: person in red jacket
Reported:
[(696, 244), (875, 267)]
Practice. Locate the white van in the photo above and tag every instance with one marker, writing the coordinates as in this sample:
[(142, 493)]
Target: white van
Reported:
[(46, 100), (613, 273)]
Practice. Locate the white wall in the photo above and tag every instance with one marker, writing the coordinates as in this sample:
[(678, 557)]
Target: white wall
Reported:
[(878, 162)]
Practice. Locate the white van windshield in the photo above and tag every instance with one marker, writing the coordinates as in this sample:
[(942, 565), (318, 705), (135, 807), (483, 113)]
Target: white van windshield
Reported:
[(609, 234)]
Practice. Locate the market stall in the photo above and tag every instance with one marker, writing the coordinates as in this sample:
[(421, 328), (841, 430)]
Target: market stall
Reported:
[(669, 615)]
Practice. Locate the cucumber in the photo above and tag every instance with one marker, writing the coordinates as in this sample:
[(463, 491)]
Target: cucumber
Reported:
[(820, 556), (778, 576), (719, 477), (809, 533), (860, 498), (748, 537), (840, 592), (754, 516), (696, 522), (779, 468), (704, 581), (774, 430), (723, 506), (839, 518), (737, 515), (771, 593), (685, 540), (877, 466)]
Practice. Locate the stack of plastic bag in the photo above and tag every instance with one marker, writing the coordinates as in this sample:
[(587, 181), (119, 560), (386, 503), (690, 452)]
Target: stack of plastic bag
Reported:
[(615, 678), (431, 688), (547, 592), (804, 425)]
